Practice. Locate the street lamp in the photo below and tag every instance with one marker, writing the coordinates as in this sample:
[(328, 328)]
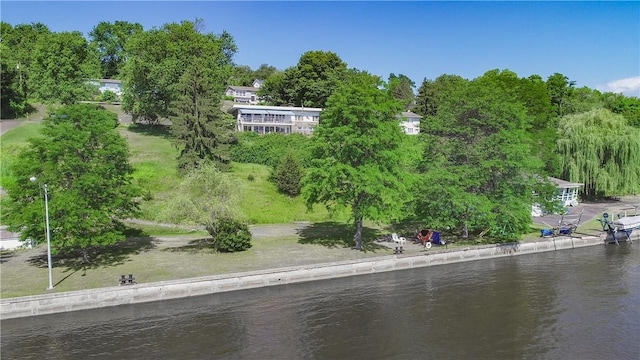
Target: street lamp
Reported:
[(46, 211)]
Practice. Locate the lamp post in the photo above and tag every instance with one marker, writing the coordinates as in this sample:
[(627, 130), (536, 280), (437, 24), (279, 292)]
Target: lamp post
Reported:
[(46, 211)]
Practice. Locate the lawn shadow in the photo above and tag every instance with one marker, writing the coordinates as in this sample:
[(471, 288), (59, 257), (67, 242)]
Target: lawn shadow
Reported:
[(159, 130), (111, 255), (136, 241), (6, 255), (193, 246), (339, 235)]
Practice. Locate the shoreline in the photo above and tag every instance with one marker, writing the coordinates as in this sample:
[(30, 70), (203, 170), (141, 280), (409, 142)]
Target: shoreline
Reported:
[(165, 290)]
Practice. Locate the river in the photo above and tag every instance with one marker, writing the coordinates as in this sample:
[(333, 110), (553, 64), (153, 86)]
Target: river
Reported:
[(571, 304)]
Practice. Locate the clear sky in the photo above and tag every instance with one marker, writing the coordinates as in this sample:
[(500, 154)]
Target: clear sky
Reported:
[(595, 44)]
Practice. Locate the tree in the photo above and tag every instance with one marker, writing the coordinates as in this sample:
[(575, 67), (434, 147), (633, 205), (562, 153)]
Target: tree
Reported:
[(478, 171), (309, 83), (401, 88), (288, 174), (629, 107), (158, 59), (210, 198), (111, 41), (560, 89), (242, 76), (62, 63), (85, 164), (598, 149), (433, 93), (12, 99), (264, 71), (203, 131), (357, 154), (20, 42)]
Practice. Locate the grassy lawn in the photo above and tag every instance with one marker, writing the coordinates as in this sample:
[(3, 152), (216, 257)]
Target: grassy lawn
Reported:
[(157, 257)]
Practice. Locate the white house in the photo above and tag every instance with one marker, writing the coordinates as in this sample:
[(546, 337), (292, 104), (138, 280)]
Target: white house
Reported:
[(566, 192), (113, 85), (279, 119), (245, 94), (566, 195), (264, 119), (410, 122)]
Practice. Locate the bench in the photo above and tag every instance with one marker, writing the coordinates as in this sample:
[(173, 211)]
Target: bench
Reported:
[(124, 280)]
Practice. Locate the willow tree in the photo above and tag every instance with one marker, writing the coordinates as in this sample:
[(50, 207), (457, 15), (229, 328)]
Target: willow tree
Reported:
[(598, 149)]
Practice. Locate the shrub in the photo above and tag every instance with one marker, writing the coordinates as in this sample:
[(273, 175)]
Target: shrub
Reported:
[(287, 175), (108, 96), (268, 149), (229, 235)]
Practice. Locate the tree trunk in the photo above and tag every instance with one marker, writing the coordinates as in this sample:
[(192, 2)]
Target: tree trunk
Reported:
[(85, 256), (358, 236)]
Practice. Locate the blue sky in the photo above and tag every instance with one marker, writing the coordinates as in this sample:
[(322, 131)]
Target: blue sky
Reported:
[(595, 44)]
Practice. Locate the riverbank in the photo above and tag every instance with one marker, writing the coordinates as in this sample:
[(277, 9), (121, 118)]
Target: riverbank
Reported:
[(164, 290)]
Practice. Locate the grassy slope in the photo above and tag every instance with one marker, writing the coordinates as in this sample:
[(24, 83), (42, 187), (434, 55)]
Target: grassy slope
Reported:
[(153, 157)]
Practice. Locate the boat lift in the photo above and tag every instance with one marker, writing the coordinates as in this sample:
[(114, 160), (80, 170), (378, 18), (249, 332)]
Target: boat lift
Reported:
[(622, 225)]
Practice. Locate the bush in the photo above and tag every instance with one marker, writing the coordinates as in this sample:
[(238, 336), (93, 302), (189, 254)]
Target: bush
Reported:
[(288, 174), (268, 149), (229, 235), (108, 96)]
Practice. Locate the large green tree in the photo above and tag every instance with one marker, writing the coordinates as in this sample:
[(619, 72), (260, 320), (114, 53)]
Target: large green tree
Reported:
[(20, 42), (111, 41), (84, 162), (433, 93), (401, 88), (357, 157), (599, 149), (478, 172), (309, 83), (62, 63), (560, 90), (627, 106), (203, 131), (159, 57)]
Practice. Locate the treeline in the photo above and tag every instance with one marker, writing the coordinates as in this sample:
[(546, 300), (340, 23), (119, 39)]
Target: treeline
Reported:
[(483, 146)]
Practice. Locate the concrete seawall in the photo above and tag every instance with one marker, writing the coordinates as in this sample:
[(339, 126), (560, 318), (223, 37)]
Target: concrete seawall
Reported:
[(140, 293)]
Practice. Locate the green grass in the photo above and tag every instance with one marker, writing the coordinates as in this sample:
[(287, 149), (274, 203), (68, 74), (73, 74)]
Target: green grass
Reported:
[(161, 258), (263, 204)]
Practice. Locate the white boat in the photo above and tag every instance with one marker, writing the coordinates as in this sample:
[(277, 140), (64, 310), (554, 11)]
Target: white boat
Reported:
[(627, 223)]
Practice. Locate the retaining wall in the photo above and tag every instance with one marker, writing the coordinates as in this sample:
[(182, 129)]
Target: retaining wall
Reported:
[(139, 293)]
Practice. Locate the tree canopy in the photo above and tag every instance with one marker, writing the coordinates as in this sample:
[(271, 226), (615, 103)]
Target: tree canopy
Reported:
[(85, 164), (111, 40), (159, 57), (62, 63), (203, 131), (478, 172), (599, 149), (309, 83), (357, 154)]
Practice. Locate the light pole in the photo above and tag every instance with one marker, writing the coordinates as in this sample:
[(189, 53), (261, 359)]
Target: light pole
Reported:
[(46, 211)]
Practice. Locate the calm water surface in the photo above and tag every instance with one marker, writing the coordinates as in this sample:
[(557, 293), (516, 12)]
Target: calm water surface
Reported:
[(571, 304)]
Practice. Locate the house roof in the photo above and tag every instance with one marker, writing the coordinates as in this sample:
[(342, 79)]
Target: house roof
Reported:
[(245, 108), (111, 81), (409, 114), (564, 184), (245, 88)]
